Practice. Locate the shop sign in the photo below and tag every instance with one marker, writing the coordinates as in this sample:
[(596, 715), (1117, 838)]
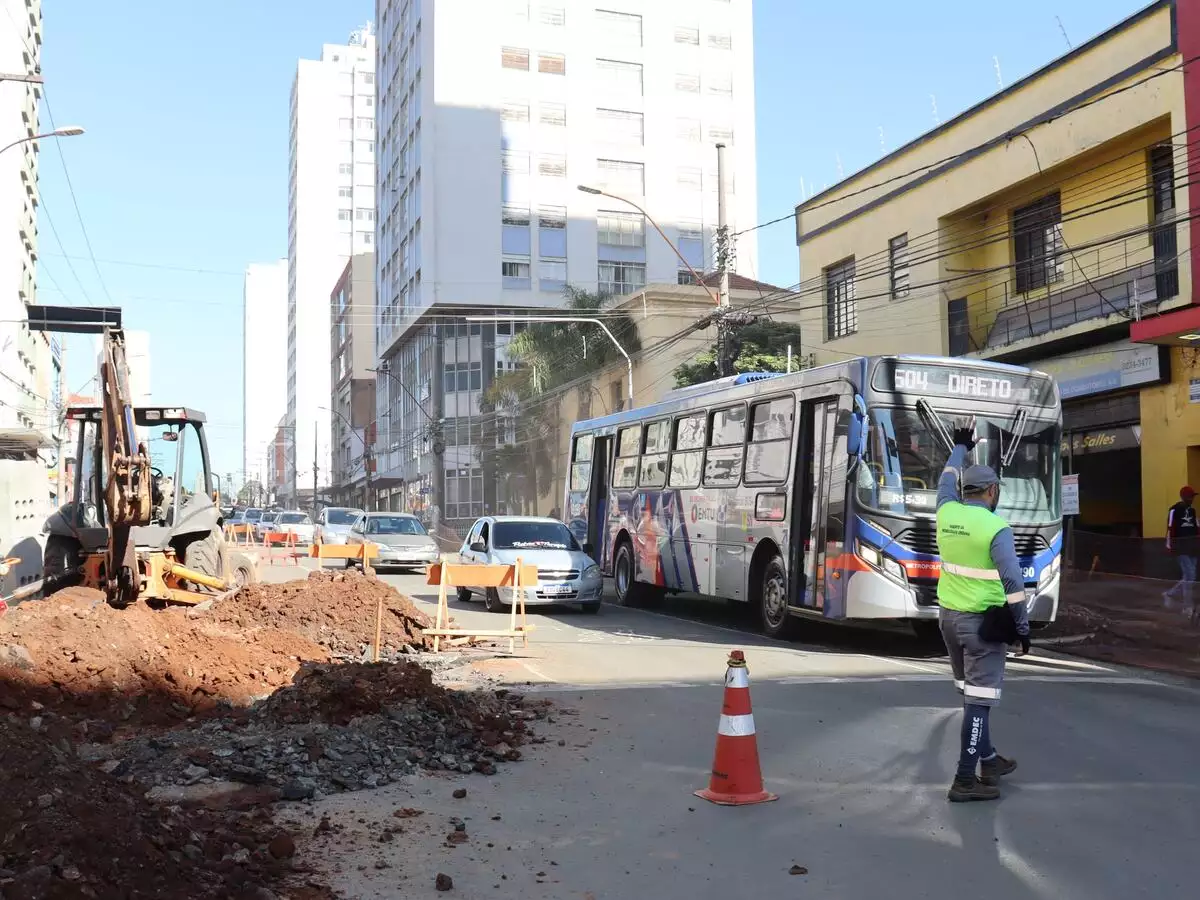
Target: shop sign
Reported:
[(1123, 438), (1107, 368), (1070, 495)]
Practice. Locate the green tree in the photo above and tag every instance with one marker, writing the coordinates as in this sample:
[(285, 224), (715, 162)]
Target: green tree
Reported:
[(521, 421), (251, 493), (759, 345)]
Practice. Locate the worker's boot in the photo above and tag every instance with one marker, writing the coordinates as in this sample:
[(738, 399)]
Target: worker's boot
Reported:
[(991, 770), (964, 790)]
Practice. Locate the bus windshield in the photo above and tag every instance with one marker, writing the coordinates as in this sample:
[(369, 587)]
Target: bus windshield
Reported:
[(903, 460)]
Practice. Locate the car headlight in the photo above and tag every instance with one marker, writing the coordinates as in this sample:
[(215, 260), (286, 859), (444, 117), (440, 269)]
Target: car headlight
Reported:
[(590, 573)]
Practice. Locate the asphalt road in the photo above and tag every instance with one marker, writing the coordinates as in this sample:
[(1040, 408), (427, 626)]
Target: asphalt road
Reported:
[(857, 733)]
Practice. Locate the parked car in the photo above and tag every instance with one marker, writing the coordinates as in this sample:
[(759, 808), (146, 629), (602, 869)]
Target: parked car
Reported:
[(266, 524), (402, 540), (297, 522), (251, 515), (566, 574), (334, 523)]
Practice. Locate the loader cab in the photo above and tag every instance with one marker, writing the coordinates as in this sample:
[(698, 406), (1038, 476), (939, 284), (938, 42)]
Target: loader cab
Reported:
[(182, 481)]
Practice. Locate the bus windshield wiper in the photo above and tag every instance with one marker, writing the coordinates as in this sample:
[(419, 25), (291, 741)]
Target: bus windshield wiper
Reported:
[(1018, 432), (934, 423)]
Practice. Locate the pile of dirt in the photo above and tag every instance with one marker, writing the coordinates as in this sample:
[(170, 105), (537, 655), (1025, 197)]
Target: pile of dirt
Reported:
[(341, 727), (1127, 621), (334, 609), (69, 830), (75, 653)]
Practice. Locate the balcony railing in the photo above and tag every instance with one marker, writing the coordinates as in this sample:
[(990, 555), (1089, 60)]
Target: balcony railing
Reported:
[(1123, 279)]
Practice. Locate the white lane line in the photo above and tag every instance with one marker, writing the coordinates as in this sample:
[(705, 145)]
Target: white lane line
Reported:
[(533, 670)]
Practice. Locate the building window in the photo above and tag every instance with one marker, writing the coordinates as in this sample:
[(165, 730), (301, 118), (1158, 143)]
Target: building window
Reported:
[(688, 130), (464, 493), (621, 178), (554, 114), (1038, 243), (721, 85), (691, 244), (687, 83), (364, 215), (345, 124), (365, 124), (620, 277), (366, 77), (620, 126), (515, 274), (553, 15), (552, 274), (345, 215), (618, 78), (552, 63), (514, 111), (689, 179), (619, 29), (720, 134), (552, 165), (464, 376), (516, 162), (687, 35), (620, 229), (345, 168), (898, 266), (366, 237), (720, 41), (514, 237), (514, 58), (1165, 235), (958, 326), (345, 192), (552, 232), (841, 306)]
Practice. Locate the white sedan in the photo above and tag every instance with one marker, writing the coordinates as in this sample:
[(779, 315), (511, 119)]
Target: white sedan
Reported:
[(297, 522)]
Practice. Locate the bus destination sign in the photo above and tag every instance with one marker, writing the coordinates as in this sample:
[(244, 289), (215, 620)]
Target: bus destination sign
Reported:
[(965, 382)]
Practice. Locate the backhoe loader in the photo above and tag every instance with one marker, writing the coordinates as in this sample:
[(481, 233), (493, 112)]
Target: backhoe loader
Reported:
[(142, 524)]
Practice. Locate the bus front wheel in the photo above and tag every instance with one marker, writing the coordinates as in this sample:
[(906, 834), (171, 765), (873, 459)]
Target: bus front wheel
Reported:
[(777, 621)]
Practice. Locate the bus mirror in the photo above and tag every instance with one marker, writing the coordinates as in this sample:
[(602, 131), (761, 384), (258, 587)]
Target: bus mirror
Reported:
[(854, 430)]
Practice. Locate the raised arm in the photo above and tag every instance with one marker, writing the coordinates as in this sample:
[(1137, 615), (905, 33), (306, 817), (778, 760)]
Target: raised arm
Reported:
[(948, 483)]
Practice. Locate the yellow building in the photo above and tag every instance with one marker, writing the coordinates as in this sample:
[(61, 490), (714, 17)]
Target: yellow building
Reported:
[(1036, 228)]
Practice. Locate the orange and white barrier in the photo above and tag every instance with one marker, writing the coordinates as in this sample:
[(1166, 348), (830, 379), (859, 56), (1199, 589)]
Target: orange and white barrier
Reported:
[(240, 535), (736, 774), (281, 545)]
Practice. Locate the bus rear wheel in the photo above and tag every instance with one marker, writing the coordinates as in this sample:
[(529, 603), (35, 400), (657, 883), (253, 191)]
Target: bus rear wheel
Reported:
[(630, 591), (777, 620)]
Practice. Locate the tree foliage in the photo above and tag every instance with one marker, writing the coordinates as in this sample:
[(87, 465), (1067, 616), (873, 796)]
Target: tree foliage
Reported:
[(521, 435), (760, 345)]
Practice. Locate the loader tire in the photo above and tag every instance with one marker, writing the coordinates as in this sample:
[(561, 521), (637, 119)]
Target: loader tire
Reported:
[(203, 555), (60, 564)]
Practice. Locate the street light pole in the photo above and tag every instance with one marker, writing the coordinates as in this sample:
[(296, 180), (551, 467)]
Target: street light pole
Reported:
[(65, 131), (616, 343), (366, 455), (661, 233), (28, 77), (435, 431)]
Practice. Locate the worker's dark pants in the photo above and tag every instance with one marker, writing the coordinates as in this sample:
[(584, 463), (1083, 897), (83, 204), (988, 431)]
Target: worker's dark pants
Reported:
[(978, 667)]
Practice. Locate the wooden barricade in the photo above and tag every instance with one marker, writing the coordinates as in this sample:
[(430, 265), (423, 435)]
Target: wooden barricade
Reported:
[(240, 535), (446, 574), (364, 552), (284, 539)]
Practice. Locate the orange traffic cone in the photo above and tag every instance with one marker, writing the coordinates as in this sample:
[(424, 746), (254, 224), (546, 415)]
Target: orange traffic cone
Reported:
[(736, 775)]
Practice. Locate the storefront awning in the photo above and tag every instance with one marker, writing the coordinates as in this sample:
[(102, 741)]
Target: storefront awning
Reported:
[(1178, 328)]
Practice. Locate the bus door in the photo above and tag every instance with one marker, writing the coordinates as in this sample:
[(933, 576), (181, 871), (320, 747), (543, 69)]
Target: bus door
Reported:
[(819, 502), (597, 506)]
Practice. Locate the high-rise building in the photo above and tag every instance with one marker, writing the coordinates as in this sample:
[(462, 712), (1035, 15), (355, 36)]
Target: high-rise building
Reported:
[(264, 361), (490, 116), (30, 362), (331, 215)]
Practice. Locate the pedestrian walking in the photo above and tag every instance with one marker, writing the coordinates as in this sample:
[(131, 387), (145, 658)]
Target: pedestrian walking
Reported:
[(982, 610), (1182, 543)]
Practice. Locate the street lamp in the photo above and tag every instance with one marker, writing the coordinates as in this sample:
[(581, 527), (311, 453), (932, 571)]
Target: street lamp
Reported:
[(616, 343), (366, 455), (65, 131), (700, 281)]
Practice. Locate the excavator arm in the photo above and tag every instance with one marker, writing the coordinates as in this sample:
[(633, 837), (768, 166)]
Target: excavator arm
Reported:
[(126, 465)]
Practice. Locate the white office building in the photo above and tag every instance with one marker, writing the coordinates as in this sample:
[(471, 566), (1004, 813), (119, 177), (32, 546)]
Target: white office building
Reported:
[(264, 362), (490, 116), (331, 215)]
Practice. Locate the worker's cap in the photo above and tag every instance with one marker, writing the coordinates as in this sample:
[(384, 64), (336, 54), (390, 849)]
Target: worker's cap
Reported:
[(1187, 491), (979, 478)]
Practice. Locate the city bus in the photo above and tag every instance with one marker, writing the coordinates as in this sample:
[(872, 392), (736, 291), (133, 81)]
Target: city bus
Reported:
[(813, 494)]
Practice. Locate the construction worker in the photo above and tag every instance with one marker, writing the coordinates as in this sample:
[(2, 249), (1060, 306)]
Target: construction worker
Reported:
[(981, 599)]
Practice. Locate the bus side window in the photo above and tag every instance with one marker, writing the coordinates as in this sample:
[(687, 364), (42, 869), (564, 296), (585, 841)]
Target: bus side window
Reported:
[(625, 472), (581, 468), (654, 463), (770, 447), (688, 454), (723, 463)]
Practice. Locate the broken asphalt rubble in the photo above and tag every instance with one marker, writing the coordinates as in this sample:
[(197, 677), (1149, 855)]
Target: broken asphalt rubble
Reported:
[(149, 742)]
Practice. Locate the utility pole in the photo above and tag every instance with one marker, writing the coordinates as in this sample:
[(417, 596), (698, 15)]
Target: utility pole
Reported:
[(723, 259), (314, 497)]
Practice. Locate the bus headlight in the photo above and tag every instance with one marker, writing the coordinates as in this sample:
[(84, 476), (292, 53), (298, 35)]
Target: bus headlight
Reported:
[(867, 553), (1050, 572), (893, 568), (874, 558)]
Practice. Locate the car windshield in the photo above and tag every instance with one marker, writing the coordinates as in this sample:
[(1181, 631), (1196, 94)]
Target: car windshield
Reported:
[(253, 515), (293, 519), (903, 461), (394, 525), (532, 536), (342, 516)]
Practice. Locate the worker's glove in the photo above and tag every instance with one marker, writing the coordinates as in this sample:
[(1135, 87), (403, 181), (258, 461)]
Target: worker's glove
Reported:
[(964, 435), (1024, 640)]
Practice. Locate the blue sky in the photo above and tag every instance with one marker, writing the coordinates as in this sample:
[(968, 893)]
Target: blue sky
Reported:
[(181, 179)]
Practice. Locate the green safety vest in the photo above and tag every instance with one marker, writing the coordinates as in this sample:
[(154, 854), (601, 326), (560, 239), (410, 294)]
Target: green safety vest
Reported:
[(969, 581)]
